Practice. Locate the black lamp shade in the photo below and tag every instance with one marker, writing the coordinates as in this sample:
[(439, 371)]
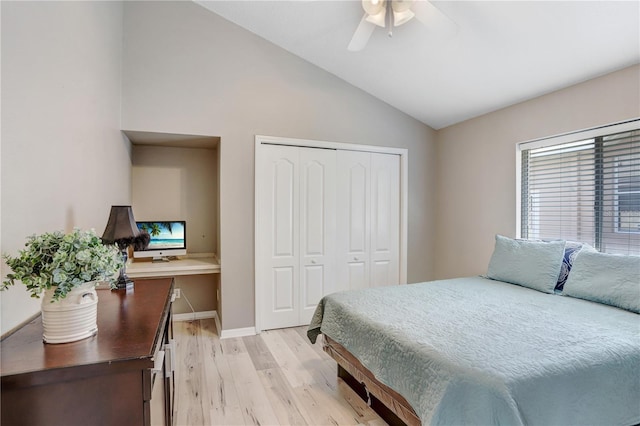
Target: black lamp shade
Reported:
[(121, 225)]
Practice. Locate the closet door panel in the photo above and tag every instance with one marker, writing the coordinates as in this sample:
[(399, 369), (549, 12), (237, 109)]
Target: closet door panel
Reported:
[(357, 275), (312, 288), (283, 292), (353, 219), (385, 219), (280, 239), (358, 207), (317, 227), (314, 206), (381, 273), (284, 199)]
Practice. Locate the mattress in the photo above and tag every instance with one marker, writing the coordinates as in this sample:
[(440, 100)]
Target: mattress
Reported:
[(479, 351)]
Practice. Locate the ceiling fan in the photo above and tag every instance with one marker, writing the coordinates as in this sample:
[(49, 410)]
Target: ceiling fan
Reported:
[(393, 13)]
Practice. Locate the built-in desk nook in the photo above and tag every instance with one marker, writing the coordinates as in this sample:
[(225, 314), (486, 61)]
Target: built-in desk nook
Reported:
[(191, 265), (175, 178), (196, 279)]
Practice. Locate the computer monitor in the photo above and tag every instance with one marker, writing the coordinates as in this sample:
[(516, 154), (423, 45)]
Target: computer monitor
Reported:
[(167, 239)]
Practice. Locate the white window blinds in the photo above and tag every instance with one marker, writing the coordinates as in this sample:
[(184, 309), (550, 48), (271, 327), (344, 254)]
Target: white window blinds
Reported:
[(585, 189)]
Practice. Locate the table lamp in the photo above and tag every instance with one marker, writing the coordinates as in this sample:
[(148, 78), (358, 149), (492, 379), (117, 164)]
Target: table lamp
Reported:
[(122, 230)]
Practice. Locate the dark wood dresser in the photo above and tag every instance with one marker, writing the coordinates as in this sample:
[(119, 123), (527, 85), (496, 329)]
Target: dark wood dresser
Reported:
[(122, 376)]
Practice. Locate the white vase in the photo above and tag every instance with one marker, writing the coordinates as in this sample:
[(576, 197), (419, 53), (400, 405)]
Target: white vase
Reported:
[(71, 318)]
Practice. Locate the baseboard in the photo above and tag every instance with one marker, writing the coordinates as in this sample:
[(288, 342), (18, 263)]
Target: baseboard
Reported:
[(224, 334), (218, 325), (238, 332), (192, 316)]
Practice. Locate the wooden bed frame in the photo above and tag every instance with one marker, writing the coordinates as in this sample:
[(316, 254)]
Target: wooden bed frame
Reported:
[(389, 404)]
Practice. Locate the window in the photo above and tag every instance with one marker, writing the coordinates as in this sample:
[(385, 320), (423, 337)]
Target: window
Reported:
[(583, 187), (627, 201)]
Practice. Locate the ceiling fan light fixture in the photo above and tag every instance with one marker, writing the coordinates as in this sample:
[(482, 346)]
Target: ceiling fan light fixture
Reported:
[(397, 12), (374, 7), (401, 11), (376, 11), (401, 5), (400, 18), (377, 19)]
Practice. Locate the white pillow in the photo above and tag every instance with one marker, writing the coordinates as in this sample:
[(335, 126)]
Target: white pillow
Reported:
[(611, 279), (532, 264)]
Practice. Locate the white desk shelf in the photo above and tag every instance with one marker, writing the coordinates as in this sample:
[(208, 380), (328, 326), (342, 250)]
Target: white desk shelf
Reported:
[(191, 265)]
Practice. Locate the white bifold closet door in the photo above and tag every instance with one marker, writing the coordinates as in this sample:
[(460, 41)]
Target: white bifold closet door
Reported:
[(298, 240), (368, 219)]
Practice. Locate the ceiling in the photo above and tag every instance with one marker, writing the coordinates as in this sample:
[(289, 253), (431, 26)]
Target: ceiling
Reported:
[(500, 52)]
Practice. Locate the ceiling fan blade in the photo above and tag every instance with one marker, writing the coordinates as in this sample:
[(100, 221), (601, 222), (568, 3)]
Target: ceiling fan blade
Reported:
[(362, 35), (433, 18)]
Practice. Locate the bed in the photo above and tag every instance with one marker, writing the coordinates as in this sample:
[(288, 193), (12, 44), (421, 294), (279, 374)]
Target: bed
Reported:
[(482, 351)]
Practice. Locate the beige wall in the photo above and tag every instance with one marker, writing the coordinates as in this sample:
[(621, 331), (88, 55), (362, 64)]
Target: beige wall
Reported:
[(64, 161), (476, 190), (170, 183), (186, 70), (198, 293)]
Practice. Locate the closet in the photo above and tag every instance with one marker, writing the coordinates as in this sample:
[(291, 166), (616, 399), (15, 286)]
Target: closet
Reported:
[(327, 219)]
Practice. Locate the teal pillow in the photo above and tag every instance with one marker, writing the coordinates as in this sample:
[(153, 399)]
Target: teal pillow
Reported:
[(532, 264), (611, 279)]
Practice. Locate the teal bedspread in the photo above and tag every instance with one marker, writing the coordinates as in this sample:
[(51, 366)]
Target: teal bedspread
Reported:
[(483, 352)]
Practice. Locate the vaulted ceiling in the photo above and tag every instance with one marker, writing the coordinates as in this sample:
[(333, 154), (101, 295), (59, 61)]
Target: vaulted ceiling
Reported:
[(500, 52)]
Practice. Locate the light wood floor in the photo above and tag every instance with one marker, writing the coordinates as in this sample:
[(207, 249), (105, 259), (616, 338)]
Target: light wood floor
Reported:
[(275, 378)]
